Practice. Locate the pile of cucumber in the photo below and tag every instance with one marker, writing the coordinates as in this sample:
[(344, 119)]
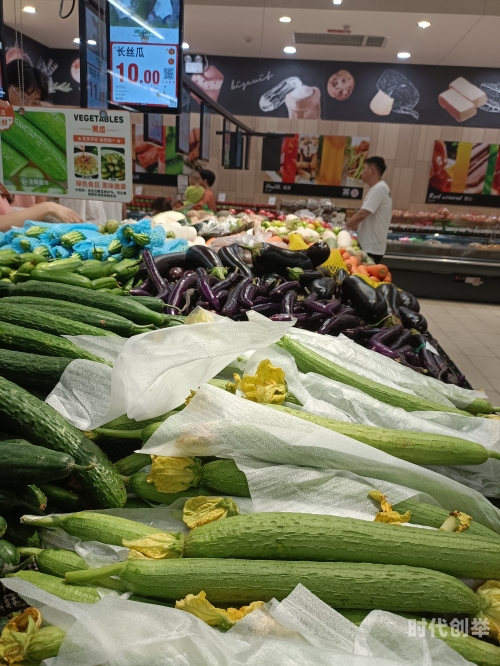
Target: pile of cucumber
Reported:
[(110, 276), (44, 459)]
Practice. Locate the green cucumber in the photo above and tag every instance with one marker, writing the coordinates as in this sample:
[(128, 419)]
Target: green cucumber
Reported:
[(29, 317), (33, 144), (93, 269), (472, 649), (84, 314), (12, 161), (420, 448), (225, 477), (66, 265), (24, 463), (3, 526), (61, 499), (57, 562), (325, 538), (126, 307), (152, 303), (309, 361), (92, 526), (53, 125), (339, 584), (32, 370), (104, 283), (57, 586), (25, 339), (18, 534), (61, 277), (6, 288), (132, 464), (433, 516), (41, 424)]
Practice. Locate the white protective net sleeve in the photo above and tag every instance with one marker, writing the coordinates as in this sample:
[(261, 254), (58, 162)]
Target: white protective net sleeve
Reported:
[(218, 423), (300, 629)]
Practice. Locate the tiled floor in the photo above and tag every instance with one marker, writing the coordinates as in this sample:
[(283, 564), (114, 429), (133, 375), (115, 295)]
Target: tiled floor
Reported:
[(470, 334)]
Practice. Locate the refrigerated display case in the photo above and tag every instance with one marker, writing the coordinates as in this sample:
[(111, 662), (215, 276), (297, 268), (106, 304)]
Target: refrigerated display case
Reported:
[(455, 258)]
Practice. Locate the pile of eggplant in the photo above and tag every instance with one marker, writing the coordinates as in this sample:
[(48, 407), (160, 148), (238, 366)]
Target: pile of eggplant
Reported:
[(284, 285)]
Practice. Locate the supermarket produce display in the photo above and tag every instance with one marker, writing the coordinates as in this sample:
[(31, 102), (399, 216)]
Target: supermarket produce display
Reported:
[(227, 422)]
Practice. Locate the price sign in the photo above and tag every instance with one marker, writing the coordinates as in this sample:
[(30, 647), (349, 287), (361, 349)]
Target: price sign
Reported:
[(146, 73)]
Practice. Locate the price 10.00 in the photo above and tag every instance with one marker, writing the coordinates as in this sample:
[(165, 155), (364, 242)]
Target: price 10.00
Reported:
[(132, 74)]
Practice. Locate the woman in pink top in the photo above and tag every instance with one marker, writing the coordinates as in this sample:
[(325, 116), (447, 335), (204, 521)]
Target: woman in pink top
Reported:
[(37, 213)]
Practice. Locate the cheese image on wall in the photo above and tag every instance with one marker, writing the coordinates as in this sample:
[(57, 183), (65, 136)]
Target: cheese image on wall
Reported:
[(462, 99)]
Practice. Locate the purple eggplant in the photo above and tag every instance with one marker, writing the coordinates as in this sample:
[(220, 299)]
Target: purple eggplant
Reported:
[(318, 253), (386, 335), (267, 309), (165, 262), (383, 349), (231, 280), (409, 301), (269, 281), (201, 256), (304, 277), (429, 361), (287, 317), (258, 300), (367, 333), (267, 257), (352, 333), (230, 256), (206, 293), (201, 271), (393, 301), (204, 304), (232, 305), (413, 319), (324, 287), (280, 290), (412, 358), (153, 271), (180, 288), (247, 293), (139, 292), (337, 323), (402, 339), (369, 303), (175, 273), (288, 302), (222, 296)]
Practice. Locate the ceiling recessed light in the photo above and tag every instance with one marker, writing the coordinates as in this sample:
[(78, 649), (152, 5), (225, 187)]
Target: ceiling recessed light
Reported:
[(29, 10), (290, 49), (337, 2), (92, 42), (76, 40), (285, 19), (404, 55), (424, 24), (185, 45)]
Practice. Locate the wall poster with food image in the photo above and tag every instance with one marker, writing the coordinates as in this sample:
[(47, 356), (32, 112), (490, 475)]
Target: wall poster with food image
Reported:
[(465, 173), (68, 153), (154, 162), (316, 165)]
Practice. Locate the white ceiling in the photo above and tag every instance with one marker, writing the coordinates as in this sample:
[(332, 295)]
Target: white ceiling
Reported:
[(223, 29)]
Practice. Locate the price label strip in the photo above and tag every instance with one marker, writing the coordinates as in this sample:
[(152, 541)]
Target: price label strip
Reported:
[(146, 72)]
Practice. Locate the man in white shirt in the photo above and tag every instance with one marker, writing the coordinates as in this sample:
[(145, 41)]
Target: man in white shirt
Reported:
[(374, 217)]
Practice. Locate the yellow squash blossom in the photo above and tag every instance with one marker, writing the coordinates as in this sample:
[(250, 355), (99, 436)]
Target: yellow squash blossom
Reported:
[(202, 510), (160, 546), (173, 475), (386, 514), (266, 386), (216, 617)]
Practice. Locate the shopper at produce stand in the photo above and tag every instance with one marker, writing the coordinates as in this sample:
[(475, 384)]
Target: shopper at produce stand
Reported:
[(32, 79), (39, 212), (207, 181), (373, 219)]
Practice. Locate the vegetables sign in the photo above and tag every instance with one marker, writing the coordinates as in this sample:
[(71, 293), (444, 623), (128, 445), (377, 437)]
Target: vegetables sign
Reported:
[(68, 153)]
